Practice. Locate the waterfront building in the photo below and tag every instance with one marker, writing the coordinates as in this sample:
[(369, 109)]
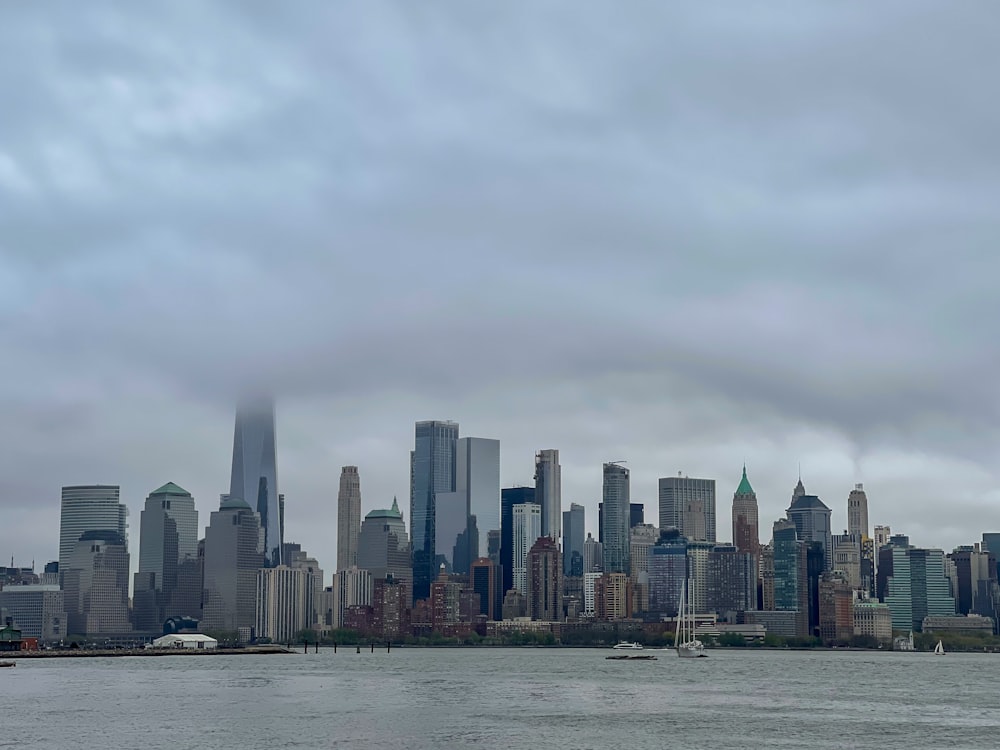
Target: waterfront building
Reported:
[(186, 596), (667, 563), (812, 521), (484, 577), (965, 624), (510, 497), (466, 515), (574, 535), (616, 519), (857, 511), (913, 582), (548, 491), (778, 622), (432, 471), (527, 528), (348, 517), (544, 590), (91, 507), (790, 574), (95, 585), (731, 581), (746, 533), (351, 588), (873, 619), (836, 608), (390, 607), (168, 535), (234, 552), (37, 610), (688, 504), (446, 604), (975, 590), (283, 603), (254, 477), (612, 597), (593, 555), (383, 546), (514, 605)]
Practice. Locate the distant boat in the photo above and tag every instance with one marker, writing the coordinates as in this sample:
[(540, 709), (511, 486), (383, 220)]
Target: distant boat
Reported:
[(939, 649), (631, 657), (628, 646), (8, 664), (687, 645)]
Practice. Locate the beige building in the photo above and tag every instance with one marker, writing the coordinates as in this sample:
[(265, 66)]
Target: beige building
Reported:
[(873, 619), (348, 517)]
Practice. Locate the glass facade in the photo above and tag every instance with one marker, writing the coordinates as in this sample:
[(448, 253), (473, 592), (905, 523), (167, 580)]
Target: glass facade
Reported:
[(688, 504), (255, 476), (616, 516), (574, 535), (86, 508), (432, 471)]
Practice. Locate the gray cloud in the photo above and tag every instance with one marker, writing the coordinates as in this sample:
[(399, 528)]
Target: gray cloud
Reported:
[(686, 237)]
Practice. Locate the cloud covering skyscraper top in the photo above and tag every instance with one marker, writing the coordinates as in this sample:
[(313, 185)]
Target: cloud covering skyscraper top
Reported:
[(255, 473)]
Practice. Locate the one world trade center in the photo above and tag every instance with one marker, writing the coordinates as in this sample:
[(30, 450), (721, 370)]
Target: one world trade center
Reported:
[(255, 476)]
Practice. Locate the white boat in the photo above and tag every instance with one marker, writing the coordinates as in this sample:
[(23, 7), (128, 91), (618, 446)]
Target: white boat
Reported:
[(686, 644), (939, 649), (627, 646)]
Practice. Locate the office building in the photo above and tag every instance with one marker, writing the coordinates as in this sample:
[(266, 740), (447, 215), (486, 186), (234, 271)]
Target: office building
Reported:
[(234, 552), (351, 588), (667, 563), (95, 585), (731, 581), (593, 555), (465, 516), (616, 519), (698, 575), (574, 536), (914, 583), (548, 491), (872, 619), (510, 497), (976, 591), (484, 578), (636, 514), (432, 471), (882, 536), (527, 528), (37, 610), (641, 539), (790, 574), (688, 504), (544, 590), (348, 517), (836, 609), (612, 597), (384, 548), (812, 521), (255, 475), (283, 603), (168, 535), (746, 529), (857, 511), (86, 508)]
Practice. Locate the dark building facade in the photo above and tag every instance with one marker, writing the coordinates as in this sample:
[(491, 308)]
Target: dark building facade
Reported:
[(509, 497), (432, 472)]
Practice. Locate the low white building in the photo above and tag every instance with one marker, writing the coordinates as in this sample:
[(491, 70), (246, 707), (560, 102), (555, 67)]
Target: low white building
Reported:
[(185, 640)]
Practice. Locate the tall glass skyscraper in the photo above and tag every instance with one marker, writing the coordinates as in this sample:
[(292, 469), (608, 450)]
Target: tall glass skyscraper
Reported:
[(432, 471), (548, 491), (688, 504), (255, 475), (510, 497), (92, 507), (465, 517), (574, 535), (615, 519)]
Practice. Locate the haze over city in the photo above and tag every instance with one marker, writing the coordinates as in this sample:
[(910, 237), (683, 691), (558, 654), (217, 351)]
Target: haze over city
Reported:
[(689, 238)]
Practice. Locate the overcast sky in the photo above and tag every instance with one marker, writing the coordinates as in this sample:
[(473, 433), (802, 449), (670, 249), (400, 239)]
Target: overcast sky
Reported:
[(682, 235)]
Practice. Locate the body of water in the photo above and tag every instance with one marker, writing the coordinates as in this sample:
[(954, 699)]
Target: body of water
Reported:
[(504, 698)]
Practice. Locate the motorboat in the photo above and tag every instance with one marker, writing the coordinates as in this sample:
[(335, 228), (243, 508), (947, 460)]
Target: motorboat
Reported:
[(631, 657), (628, 646), (8, 664)]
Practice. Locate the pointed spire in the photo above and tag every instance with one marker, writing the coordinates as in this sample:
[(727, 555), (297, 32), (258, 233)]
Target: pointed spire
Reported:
[(395, 505), (744, 488)]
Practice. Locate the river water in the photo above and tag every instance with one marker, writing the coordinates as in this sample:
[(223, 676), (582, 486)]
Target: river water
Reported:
[(504, 698)]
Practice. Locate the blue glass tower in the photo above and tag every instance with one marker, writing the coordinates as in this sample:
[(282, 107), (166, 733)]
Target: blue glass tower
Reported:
[(432, 472), (255, 475)]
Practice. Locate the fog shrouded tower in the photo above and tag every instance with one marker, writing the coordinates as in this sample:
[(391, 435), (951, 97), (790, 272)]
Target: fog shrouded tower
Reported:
[(548, 491), (348, 517), (255, 474), (432, 471)]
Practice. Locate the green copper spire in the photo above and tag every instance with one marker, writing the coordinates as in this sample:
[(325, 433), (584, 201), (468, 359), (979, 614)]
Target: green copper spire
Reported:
[(744, 488)]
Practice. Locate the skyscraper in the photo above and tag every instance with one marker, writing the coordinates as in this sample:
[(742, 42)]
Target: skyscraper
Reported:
[(465, 517), (234, 552), (573, 539), (548, 491), (383, 547), (746, 533), (527, 528), (543, 595), (857, 511), (509, 497), (95, 584), (94, 507), (593, 556), (688, 504), (255, 475), (432, 471), (913, 582), (811, 517), (282, 602), (168, 534), (616, 518), (348, 517), (791, 587)]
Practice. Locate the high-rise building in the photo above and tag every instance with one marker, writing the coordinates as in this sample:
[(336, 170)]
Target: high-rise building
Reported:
[(168, 535), (348, 517), (484, 578), (612, 597), (390, 607), (882, 535), (976, 591), (593, 555), (667, 561), (688, 504), (255, 474), (544, 589), (846, 556), (467, 515), (616, 519), (812, 521), (510, 497), (548, 491), (95, 584), (432, 471), (573, 539), (791, 587), (234, 552), (698, 575), (384, 548), (857, 511), (351, 588), (37, 610), (527, 528), (913, 582), (836, 608), (283, 602), (732, 580), (641, 538), (746, 531), (94, 507), (636, 514)]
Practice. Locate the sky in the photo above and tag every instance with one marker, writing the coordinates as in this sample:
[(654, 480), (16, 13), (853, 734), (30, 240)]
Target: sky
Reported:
[(685, 235)]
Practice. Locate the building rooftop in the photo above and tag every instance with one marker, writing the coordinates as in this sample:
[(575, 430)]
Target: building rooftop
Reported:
[(234, 503), (807, 502), (171, 489), (744, 488)]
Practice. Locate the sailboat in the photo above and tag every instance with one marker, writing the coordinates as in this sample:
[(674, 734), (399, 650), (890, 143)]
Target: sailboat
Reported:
[(939, 649), (687, 645)]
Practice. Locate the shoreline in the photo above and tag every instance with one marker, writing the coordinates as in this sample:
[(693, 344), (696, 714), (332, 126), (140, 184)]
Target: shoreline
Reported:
[(81, 653)]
